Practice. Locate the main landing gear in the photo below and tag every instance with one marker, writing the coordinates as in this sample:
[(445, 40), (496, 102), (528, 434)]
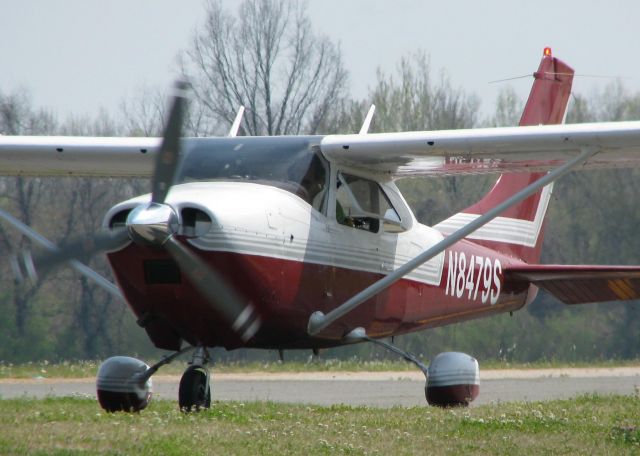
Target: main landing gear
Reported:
[(452, 378), (194, 393)]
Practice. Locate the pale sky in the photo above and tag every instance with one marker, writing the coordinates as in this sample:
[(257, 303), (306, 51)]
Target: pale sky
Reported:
[(75, 56)]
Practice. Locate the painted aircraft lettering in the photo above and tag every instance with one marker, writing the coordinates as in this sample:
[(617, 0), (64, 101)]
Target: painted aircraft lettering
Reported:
[(477, 278)]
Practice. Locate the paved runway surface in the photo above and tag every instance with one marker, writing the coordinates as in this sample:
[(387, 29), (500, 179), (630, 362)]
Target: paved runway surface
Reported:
[(380, 389)]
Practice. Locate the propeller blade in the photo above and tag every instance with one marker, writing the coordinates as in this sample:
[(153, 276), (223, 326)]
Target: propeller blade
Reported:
[(82, 248), (169, 152), (240, 315), (27, 259)]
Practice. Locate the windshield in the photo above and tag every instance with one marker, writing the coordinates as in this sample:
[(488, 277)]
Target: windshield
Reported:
[(292, 164)]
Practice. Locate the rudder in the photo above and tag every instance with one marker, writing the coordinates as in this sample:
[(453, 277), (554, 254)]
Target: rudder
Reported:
[(519, 230)]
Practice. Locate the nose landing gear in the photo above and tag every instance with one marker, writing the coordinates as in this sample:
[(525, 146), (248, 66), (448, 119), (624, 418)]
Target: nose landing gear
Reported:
[(194, 392)]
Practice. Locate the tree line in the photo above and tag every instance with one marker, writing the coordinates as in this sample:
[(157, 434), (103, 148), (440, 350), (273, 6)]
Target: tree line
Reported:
[(267, 57)]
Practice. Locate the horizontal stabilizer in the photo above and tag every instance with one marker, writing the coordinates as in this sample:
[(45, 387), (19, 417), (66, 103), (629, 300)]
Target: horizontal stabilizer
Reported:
[(582, 284)]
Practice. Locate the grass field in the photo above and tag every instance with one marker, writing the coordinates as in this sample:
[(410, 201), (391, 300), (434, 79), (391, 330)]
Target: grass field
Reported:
[(78, 369), (586, 425)]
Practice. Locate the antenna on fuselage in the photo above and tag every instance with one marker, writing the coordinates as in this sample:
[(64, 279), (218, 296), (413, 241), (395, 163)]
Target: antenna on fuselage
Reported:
[(367, 120), (236, 123)]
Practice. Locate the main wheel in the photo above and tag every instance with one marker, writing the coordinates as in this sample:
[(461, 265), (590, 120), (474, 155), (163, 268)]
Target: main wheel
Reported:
[(194, 393), (118, 388)]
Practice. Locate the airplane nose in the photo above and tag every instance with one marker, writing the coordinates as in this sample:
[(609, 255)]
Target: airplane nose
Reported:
[(152, 223)]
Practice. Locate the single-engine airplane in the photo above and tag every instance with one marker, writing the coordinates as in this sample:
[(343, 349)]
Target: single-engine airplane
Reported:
[(305, 242)]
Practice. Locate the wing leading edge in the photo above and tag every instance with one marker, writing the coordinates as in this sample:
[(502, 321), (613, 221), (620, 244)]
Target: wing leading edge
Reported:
[(447, 152), (487, 150), (77, 156), (582, 284)]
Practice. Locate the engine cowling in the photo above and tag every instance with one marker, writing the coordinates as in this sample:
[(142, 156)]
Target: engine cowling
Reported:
[(119, 387), (454, 380)]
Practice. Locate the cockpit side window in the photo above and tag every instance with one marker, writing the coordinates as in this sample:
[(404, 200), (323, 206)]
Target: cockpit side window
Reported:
[(361, 203), (315, 182)]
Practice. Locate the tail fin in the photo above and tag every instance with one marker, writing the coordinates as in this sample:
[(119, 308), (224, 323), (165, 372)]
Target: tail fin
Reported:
[(519, 230)]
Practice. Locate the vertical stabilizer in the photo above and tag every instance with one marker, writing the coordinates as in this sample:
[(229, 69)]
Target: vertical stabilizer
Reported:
[(519, 230)]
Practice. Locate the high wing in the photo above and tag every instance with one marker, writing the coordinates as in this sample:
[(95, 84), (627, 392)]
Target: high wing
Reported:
[(77, 156), (487, 150), (581, 284), (447, 152)]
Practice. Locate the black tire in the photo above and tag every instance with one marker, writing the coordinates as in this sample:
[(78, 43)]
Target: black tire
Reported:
[(112, 401), (194, 393)]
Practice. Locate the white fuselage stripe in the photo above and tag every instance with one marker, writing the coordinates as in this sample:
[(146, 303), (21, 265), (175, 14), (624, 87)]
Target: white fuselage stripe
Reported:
[(503, 229), (331, 255)]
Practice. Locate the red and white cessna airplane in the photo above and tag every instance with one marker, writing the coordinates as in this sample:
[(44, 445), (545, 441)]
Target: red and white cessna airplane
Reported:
[(305, 242)]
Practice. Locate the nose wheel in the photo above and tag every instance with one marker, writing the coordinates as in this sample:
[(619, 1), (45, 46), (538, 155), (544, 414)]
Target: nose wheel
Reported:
[(194, 393)]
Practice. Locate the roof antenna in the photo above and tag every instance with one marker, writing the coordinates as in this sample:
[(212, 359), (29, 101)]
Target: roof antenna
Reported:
[(367, 120), (236, 123)]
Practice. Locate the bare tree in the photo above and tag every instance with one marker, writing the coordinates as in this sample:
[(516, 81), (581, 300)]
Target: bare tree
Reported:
[(81, 319), (613, 103), (143, 113), (102, 124), (509, 109), (414, 100), (269, 60), (93, 317), (23, 197), (92, 312)]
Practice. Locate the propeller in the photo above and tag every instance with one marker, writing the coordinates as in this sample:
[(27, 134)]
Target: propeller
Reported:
[(24, 263), (156, 223), (169, 152), (82, 248)]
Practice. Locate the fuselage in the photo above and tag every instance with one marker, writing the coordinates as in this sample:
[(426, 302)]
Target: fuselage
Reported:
[(293, 240)]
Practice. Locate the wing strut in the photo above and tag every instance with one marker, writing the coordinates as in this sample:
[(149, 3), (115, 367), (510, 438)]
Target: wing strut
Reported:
[(319, 321)]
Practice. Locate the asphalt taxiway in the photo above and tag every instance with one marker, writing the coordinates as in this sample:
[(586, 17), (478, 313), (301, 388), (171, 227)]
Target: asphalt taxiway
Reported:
[(376, 389)]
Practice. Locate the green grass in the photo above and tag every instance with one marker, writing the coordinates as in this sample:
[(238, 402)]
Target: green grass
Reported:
[(81, 369), (585, 425)]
